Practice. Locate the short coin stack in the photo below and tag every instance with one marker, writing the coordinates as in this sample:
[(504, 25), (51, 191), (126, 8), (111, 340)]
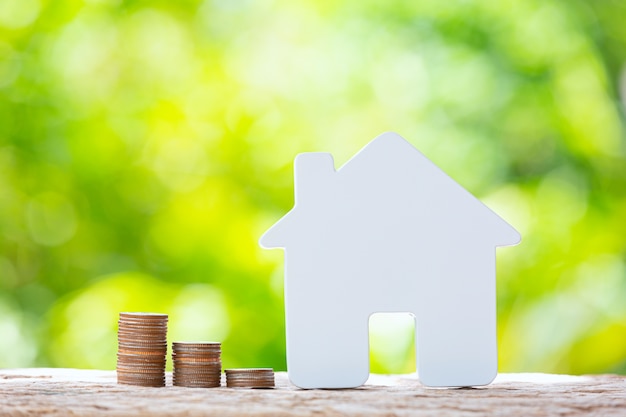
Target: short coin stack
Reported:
[(250, 378), (197, 364), (142, 349)]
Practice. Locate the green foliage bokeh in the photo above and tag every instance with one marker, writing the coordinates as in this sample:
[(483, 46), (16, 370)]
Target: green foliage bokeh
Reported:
[(146, 145)]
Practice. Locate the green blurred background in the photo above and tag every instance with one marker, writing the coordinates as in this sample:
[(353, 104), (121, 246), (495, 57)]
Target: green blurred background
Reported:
[(146, 145)]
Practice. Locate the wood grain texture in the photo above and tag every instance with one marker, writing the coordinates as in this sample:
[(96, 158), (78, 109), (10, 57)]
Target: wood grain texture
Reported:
[(63, 392)]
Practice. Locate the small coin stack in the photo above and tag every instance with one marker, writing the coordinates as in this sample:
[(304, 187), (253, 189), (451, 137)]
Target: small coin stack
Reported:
[(250, 378), (197, 364), (142, 349)]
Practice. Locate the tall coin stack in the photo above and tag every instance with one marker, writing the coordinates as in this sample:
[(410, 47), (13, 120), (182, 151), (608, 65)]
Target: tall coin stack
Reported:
[(197, 364), (250, 378), (142, 349)]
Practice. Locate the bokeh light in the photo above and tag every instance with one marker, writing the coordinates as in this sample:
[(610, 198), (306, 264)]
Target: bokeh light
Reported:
[(145, 147)]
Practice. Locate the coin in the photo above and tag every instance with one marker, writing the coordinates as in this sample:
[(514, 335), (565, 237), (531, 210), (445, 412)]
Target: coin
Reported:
[(196, 347), (142, 349), (197, 364), (197, 355), (250, 378), (137, 315)]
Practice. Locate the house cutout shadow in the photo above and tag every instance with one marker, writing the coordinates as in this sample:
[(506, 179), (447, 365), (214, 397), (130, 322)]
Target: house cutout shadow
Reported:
[(387, 232)]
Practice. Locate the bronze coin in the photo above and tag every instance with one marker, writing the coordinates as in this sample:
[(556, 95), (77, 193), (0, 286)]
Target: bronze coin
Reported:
[(154, 355), (154, 350), (180, 372), (198, 365), (196, 344), (199, 361), (241, 371), (191, 371), (142, 345), (186, 357), (150, 383), (138, 325), (127, 369), (196, 383), (144, 315), (143, 342), (250, 378), (126, 331), (150, 359)]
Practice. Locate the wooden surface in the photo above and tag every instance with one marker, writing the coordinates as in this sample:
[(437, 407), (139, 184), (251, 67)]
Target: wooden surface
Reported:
[(63, 392)]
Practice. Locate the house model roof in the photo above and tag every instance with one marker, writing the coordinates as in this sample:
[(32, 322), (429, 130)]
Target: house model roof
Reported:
[(389, 189)]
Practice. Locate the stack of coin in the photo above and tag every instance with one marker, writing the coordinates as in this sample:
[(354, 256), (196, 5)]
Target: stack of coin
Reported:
[(142, 349), (250, 378), (197, 364)]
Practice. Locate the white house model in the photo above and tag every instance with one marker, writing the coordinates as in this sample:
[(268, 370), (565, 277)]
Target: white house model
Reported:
[(387, 232)]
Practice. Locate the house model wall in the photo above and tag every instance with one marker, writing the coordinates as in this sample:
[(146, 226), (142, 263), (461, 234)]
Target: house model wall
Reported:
[(387, 232)]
